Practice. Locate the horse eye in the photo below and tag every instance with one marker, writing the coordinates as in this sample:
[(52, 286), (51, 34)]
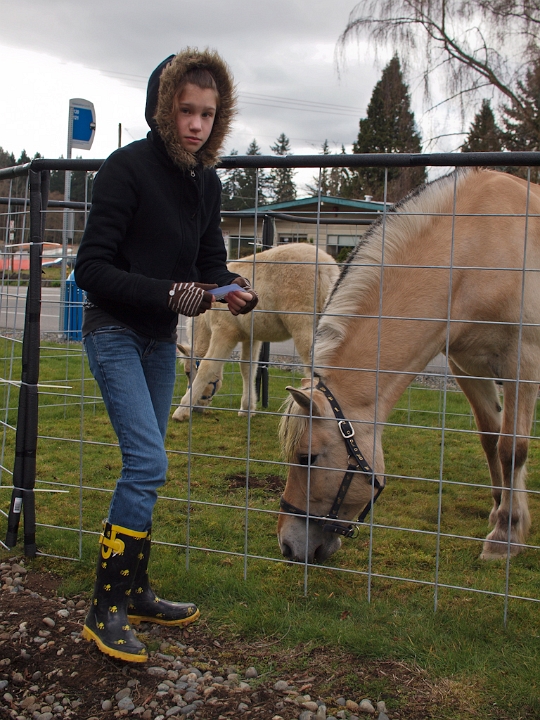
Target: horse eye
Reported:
[(307, 459)]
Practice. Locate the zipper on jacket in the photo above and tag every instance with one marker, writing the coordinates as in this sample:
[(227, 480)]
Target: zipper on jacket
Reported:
[(200, 191)]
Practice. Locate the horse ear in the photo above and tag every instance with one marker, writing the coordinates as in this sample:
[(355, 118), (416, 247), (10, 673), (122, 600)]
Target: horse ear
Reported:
[(184, 349), (304, 399)]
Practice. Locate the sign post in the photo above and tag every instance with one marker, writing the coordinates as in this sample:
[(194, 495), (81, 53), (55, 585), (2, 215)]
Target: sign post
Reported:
[(81, 131)]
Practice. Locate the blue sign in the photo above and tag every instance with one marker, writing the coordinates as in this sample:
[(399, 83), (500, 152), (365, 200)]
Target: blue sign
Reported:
[(82, 124)]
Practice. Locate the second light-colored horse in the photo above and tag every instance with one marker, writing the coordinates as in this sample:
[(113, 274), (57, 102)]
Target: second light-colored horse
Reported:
[(293, 282)]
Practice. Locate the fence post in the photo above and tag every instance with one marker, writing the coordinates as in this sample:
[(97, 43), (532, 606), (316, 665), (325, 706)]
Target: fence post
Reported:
[(24, 468), (261, 380)]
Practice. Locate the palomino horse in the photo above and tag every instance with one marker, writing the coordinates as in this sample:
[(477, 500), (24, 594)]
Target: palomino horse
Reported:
[(459, 261), (293, 282)]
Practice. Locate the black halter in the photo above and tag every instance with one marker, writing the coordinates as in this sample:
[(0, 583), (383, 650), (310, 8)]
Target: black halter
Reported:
[(330, 522)]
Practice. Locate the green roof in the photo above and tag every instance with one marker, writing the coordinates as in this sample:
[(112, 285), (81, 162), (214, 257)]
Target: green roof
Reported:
[(345, 203)]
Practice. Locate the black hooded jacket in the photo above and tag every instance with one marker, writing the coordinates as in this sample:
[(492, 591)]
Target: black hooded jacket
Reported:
[(155, 215)]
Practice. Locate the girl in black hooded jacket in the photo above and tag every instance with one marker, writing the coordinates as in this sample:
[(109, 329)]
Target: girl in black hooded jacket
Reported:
[(152, 249)]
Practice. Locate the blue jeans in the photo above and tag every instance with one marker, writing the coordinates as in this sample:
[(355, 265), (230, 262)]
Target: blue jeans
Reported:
[(136, 377)]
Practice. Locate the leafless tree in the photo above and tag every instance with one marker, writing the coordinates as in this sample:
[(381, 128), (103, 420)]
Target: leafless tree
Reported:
[(478, 44)]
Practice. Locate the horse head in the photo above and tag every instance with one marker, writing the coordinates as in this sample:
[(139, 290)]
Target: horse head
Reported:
[(329, 479)]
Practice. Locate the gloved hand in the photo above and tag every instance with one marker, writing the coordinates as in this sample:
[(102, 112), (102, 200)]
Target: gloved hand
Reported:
[(246, 287), (191, 298)]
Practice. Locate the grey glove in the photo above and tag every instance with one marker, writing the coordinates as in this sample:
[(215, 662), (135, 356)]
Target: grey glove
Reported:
[(190, 299)]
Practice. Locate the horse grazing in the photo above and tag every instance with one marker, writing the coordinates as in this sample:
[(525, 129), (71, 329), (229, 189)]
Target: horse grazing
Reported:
[(293, 282), (459, 262)]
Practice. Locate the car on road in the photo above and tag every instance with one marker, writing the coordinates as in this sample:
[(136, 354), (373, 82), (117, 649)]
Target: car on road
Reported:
[(57, 262)]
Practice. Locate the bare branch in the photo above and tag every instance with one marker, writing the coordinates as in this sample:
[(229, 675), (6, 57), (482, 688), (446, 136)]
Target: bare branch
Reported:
[(491, 39)]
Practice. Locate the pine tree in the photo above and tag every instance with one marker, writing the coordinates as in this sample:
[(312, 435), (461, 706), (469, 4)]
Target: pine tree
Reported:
[(323, 178), (484, 134), (78, 191), (522, 120), (334, 181), (239, 185), (17, 186), (281, 184), (25, 158), (253, 178), (230, 194), (340, 179), (389, 127), (7, 159)]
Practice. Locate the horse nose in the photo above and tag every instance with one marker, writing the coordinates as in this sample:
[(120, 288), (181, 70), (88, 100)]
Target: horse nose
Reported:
[(286, 550), (295, 554), (314, 546)]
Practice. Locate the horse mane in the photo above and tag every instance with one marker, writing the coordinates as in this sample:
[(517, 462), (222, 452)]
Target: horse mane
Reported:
[(389, 234), (292, 427)]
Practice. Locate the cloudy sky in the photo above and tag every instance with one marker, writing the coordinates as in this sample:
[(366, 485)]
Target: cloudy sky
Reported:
[(282, 53)]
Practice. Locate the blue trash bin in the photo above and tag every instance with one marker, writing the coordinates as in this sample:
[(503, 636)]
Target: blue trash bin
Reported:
[(73, 300)]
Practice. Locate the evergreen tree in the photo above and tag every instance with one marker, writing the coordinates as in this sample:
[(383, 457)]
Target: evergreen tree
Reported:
[(334, 181), (484, 133), (281, 180), (25, 158), (522, 119), (388, 127), (230, 194), (339, 180), (323, 178), (239, 185), (78, 182), (17, 186), (7, 159)]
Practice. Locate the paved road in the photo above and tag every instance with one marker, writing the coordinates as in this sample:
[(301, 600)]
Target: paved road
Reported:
[(13, 304), (12, 307)]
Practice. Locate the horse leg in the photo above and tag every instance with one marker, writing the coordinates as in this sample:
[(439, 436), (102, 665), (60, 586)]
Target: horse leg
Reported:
[(484, 400), (208, 379), (511, 511), (248, 368), (300, 328)]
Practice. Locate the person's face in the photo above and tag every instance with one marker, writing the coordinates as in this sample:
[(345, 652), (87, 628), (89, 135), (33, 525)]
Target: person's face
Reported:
[(195, 118)]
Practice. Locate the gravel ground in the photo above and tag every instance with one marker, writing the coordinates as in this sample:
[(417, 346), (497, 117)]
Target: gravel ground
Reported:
[(41, 679), (48, 672)]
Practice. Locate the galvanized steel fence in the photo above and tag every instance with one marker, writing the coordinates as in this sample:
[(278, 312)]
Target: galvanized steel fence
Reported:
[(52, 415)]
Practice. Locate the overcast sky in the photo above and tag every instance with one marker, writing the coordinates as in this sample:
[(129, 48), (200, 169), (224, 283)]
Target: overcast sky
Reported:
[(282, 53)]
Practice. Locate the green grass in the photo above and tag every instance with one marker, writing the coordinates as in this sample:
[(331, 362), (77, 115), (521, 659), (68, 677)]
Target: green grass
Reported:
[(234, 570)]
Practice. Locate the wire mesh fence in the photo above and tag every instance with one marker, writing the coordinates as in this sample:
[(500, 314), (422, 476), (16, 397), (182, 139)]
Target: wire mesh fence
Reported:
[(227, 469)]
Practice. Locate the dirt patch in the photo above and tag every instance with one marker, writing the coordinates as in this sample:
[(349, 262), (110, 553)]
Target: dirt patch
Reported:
[(47, 672), (273, 483)]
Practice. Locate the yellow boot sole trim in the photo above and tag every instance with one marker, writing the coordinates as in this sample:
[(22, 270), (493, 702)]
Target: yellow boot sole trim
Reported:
[(136, 619), (129, 657)]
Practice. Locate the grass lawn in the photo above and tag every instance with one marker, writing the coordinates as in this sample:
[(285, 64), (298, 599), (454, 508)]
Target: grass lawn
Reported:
[(216, 534)]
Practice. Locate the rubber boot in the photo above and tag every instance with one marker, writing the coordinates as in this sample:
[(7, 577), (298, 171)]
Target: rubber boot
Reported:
[(145, 606), (107, 623)]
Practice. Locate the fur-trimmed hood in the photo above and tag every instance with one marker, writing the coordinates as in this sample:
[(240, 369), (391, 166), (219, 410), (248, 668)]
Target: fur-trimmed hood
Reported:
[(162, 87)]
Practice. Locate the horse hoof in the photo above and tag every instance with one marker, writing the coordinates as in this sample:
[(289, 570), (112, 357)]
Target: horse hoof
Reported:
[(487, 555), (180, 414), (498, 551)]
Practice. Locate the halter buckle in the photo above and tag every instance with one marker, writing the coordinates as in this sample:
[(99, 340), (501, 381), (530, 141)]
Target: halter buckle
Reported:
[(346, 429)]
